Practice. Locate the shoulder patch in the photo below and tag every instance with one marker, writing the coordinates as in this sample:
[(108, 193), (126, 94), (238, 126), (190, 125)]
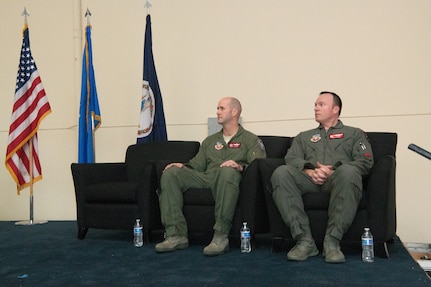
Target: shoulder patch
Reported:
[(261, 145), (366, 136)]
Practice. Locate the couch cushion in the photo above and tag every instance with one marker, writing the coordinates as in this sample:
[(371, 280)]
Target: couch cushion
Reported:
[(198, 196), (111, 192)]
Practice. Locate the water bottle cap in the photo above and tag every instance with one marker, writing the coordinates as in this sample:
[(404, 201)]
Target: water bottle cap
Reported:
[(366, 228)]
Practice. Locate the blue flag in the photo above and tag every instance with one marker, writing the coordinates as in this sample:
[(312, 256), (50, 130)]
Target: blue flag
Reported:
[(152, 125), (89, 113)]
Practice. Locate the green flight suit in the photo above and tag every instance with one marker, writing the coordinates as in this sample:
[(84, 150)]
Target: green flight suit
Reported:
[(204, 171), (349, 152)]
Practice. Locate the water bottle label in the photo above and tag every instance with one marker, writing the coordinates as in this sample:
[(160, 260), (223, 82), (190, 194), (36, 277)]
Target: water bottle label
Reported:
[(367, 241), (137, 229), (245, 234)]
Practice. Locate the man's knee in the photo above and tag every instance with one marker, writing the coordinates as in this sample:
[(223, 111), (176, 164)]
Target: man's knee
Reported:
[(169, 174), (347, 183), (348, 173), (281, 173), (170, 181), (230, 175)]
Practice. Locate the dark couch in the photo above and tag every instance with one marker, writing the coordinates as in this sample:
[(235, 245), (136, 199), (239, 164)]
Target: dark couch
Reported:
[(376, 210), (113, 195)]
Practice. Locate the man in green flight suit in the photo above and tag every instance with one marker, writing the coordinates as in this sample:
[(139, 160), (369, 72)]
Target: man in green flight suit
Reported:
[(218, 165), (330, 158)]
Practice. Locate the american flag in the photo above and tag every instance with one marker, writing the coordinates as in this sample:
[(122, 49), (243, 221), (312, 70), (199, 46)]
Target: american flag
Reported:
[(30, 107)]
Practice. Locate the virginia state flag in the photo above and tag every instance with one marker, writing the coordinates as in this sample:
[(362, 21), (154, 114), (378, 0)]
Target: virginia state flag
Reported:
[(152, 125), (89, 112)]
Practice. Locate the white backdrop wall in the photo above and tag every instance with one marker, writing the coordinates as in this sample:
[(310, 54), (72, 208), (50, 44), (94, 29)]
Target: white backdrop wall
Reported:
[(275, 56)]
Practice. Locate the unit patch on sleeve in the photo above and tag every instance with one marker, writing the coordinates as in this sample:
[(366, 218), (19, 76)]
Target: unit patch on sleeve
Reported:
[(261, 145)]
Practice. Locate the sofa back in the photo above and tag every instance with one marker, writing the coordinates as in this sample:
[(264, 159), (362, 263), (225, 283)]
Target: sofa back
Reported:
[(383, 143), (276, 146), (139, 155)]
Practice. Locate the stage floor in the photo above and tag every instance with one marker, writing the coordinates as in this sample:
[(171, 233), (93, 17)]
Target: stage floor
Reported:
[(421, 252)]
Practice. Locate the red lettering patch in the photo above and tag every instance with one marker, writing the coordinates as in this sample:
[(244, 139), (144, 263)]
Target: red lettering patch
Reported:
[(336, 136), (234, 145)]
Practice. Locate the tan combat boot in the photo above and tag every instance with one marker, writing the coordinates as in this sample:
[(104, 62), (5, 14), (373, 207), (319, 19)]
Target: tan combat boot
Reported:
[(218, 245), (172, 243), (332, 250), (304, 248)]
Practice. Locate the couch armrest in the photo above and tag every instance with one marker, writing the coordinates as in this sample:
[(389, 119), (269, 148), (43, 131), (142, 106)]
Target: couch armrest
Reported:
[(148, 202), (380, 195), (251, 201), (266, 168), (91, 173), (159, 166), (84, 174)]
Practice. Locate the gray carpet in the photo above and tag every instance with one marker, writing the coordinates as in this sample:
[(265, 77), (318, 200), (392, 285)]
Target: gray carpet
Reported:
[(51, 255)]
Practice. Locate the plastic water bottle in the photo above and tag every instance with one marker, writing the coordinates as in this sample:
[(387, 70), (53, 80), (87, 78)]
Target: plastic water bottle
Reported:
[(367, 246), (137, 234), (245, 238)]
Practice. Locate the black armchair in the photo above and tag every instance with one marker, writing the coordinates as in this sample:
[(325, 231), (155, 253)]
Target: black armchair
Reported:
[(113, 195), (376, 210)]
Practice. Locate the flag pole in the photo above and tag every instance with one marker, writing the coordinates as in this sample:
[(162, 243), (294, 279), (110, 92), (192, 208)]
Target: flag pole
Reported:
[(88, 15), (31, 221), (31, 180), (93, 134)]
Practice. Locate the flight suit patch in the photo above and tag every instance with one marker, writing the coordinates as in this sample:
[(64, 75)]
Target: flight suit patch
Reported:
[(336, 136), (218, 146), (234, 145), (315, 138), (261, 145)]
